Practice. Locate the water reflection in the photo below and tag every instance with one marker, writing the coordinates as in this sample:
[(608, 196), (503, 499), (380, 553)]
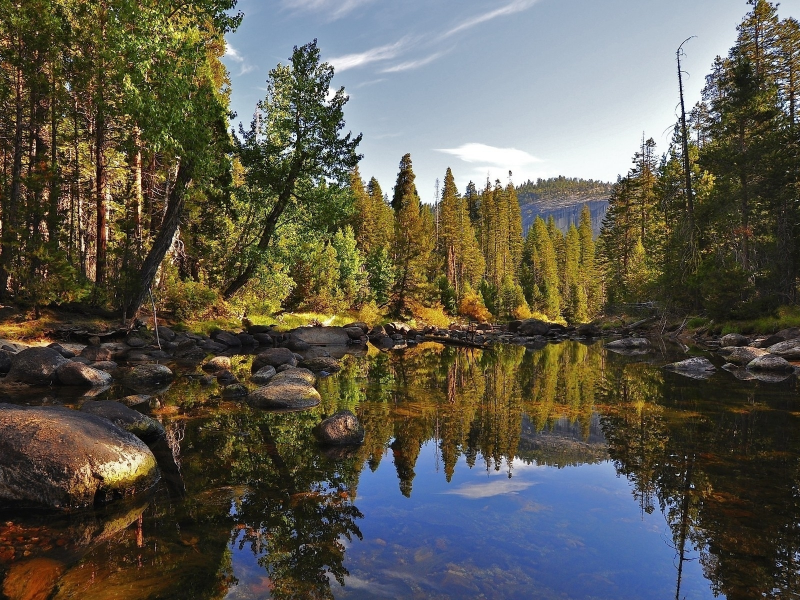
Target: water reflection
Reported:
[(559, 472)]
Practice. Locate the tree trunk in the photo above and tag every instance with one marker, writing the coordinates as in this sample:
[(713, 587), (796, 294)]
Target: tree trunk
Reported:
[(163, 240)]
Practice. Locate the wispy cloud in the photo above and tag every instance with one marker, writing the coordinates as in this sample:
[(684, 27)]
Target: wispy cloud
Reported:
[(509, 9), (234, 55), (379, 53), (335, 9), (498, 487), (490, 155), (415, 64)]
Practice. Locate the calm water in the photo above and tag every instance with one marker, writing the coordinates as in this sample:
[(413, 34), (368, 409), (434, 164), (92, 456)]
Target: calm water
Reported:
[(566, 472)]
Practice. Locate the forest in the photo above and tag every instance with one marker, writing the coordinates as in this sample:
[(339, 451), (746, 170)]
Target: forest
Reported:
[(123, 182)]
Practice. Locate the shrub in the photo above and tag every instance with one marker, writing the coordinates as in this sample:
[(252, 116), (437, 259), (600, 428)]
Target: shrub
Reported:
[(188, 300), (472, 307)]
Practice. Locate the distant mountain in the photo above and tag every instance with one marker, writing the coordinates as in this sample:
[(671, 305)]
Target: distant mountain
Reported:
[(564, 198)]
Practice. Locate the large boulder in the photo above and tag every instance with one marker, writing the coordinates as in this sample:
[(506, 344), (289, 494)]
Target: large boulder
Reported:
[(75, 373), (341, 429), (35, 366), (531, 327), (143, 427), (770, 362), (790, 349), (322, 336), (733, 339), (284, 395), (62, 458), (274, 357), (741, 355), (148, 376)]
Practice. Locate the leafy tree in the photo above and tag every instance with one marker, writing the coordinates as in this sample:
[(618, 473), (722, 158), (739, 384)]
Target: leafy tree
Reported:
[(295, 142)]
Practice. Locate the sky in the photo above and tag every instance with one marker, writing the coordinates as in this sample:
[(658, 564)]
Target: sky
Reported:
[(540, 88)]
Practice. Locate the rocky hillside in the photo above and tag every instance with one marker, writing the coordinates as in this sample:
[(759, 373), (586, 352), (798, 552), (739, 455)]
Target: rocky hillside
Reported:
[(563, 198)]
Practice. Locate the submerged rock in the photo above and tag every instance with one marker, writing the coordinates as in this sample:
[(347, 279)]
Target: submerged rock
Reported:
[(273, 357), (61, 458), (263, 375), (321, 363), (148, 376), (284, 395), (295, 374), (341, 429)]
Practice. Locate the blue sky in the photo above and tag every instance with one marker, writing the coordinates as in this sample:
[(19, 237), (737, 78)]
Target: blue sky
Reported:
[(539, 87)]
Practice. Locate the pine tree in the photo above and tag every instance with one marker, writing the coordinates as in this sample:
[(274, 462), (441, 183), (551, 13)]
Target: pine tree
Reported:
[(413, 240)]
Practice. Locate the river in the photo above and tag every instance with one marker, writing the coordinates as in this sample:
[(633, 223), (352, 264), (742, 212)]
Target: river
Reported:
[(564, 472)]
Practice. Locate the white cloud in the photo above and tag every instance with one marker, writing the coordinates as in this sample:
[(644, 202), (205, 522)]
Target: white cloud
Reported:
[(335, 8), (509, 9), (415, 64), (232, 53), (379, 53), (508, 158), (498, 487)]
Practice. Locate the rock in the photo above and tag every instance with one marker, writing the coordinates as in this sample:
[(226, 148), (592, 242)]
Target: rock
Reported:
[(234, 390), (62, 458), (321, 363), (135, 400), (75, 373), (354, 333), (742, 355), (109, 366), (246, 340), (97, 353), (294, 374), (5, 361), (790, 349), (61, 350), (226, 378), (148, 376), (206, 380), (158, 354), (588, 330), (227, 338), (323, 336), (531, 327), (286, 395), (341, 429), (629, 343), (81, 359), (274, 357), (770, 362), (360, 324), (190, 353), (134, 341), (216, 364), (733, 339), (513, 326), (383, 342), (789, 334), (166, 334), (35, 366), (213, 347), (143, 427), (396, 327), (295, 344), (263, 375), (258, 329), (694, 364), (264, 339)]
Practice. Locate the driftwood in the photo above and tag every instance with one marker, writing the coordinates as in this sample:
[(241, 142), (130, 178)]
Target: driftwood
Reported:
[(639, 323)]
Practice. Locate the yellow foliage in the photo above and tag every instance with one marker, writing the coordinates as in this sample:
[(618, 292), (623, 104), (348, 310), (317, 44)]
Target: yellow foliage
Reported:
[(369, 313), (523, 311), (472, 306), (433, 316)]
